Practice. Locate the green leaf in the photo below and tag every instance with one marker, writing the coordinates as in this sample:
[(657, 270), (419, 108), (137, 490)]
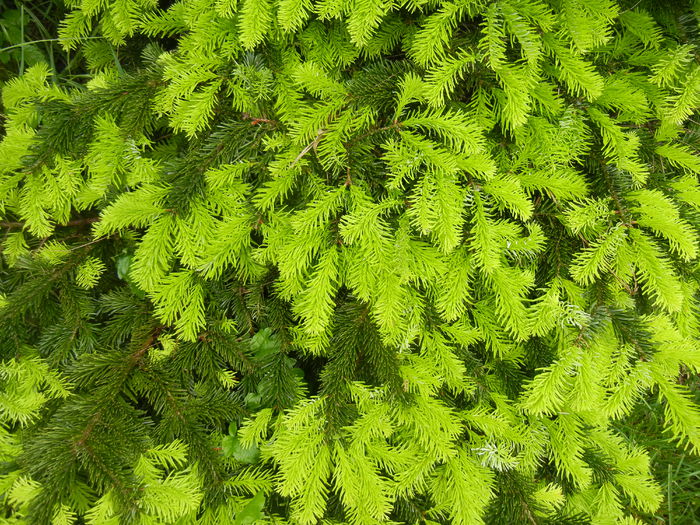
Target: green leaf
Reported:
[(252, 512), (231, 446), (123, 263)]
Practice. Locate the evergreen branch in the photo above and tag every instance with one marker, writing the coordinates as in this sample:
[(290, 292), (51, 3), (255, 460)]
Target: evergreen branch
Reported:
[(74, 222), (30, 42), (132, 361), (396, 125), (309, 147)]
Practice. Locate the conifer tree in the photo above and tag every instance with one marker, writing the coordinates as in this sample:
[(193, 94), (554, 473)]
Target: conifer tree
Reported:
[(350, 262)]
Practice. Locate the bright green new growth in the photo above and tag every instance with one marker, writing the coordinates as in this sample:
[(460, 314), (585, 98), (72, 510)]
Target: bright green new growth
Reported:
[(363, 262)]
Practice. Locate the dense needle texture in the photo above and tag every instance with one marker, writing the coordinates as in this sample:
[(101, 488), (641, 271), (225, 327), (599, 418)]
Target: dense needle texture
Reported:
[(350, 262)]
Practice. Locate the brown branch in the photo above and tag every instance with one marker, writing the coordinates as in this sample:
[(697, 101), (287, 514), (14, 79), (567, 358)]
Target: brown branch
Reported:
[(136, 356), (75, 222), (257, 120)]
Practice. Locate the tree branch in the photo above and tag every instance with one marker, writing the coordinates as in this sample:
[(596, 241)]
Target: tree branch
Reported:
[(75, 222)]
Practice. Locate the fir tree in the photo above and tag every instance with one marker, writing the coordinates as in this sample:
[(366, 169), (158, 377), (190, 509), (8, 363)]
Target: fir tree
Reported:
[(349, 262)]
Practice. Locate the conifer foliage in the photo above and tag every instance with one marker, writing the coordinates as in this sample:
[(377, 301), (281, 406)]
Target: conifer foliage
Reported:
[(349, 262)]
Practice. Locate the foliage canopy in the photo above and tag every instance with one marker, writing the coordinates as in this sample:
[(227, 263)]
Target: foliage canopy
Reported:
[(349, 261)]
